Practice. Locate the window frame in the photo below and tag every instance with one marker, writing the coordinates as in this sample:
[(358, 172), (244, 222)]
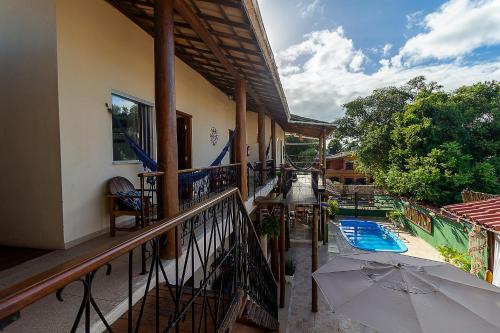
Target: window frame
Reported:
[(152, 120)]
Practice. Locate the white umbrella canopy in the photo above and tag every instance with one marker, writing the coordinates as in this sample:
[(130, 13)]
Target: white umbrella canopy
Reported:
[(396, 293)]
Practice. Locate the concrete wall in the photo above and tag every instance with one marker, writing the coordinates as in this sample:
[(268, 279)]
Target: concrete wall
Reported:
[(100, 51), (31, 170)]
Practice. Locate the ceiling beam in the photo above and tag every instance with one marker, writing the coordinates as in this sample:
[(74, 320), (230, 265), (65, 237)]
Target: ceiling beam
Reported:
[(185, 11)]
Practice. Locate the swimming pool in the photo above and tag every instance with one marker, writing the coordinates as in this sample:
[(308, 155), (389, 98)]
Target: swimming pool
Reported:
[(371, 236)]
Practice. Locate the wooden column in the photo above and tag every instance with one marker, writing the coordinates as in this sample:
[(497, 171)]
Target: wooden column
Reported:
[(325, 219), (274, 258), (314, 261), (241, 136), (273, 144), (166, 122), (282, 256), (262, 142), (324, 155), (320, 141)]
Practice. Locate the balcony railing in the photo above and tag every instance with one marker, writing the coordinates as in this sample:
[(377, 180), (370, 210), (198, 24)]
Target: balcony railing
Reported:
[(197, 185), (258, 171), (228, 251)]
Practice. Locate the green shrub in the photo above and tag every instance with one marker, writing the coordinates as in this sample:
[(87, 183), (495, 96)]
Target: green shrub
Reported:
[(269, 226), (456, 258), (333, 207), (395, 215)]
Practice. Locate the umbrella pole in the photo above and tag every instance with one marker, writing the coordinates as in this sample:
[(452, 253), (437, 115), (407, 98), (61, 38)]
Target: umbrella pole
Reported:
[(314, 261)]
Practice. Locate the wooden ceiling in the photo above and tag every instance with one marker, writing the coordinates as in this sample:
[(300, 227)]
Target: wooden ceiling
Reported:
[(229, 27)]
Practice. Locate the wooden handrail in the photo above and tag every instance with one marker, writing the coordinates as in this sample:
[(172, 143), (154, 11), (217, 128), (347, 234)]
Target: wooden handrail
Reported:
[(22, 294), (151, 174), (207, 168)]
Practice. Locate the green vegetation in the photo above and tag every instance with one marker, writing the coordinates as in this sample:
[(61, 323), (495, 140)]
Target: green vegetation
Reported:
[(456, 258), (269, 226), (395, 215), (301, 153), (333, 207), (418, 140)]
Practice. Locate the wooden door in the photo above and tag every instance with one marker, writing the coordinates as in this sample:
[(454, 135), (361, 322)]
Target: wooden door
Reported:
[(184, 140)]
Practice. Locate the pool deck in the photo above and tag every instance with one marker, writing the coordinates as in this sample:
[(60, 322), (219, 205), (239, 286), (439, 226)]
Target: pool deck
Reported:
[(297, 316)]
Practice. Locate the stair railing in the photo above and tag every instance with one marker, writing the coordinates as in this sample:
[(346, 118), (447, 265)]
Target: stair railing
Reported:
[(220, 245)]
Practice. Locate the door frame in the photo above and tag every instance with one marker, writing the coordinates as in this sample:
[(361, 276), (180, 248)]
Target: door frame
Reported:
[(189, 137)]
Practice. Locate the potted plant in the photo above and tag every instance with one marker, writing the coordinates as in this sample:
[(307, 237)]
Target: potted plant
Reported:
[(333, 207), (268, 227), (289, 270)]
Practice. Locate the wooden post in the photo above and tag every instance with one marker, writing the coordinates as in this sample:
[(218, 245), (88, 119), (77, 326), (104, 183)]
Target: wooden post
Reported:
[(324, 155), (166, 120), (274, 258), (324, 225), (273, 145), (262, 143), (282, 256), (314, 261), (241, 136), (320, 162)]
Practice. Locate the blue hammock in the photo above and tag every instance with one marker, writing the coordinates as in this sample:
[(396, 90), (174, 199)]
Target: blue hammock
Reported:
[(151, 164), (267, 149)]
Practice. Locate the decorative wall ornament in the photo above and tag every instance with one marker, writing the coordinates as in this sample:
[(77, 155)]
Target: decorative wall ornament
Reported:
[(214, 136), (420, 219)]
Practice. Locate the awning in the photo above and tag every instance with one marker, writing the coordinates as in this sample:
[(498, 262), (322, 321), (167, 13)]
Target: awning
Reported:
[(485, 212)]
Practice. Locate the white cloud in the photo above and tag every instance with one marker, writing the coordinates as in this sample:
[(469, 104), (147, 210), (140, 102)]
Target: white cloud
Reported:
[(308, 8), (456, 29), (325, 71), (387, 47), (413, 19)]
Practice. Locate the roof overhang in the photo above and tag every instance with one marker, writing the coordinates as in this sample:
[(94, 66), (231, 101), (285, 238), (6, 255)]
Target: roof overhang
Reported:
[(308, 127), (237, 47)]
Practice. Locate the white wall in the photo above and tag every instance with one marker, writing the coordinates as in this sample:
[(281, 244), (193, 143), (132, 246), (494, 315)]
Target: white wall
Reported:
[(31, 202), (100, 50)]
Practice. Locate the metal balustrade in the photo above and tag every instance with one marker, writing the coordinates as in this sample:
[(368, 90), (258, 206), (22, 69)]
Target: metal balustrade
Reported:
[(218, 235)]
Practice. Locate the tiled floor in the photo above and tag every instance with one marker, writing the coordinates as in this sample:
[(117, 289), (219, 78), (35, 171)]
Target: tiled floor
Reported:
[(297, 316)]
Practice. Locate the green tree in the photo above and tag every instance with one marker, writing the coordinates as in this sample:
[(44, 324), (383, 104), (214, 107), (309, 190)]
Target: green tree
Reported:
[(420, 141)]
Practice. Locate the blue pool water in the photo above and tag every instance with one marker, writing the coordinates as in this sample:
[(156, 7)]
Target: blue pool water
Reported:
[(371, 236)]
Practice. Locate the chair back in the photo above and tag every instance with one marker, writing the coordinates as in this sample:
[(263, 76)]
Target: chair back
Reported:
[(119, 184)]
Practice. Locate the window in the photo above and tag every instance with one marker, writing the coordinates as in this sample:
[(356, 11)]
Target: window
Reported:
[(133, 120), (349, 165)]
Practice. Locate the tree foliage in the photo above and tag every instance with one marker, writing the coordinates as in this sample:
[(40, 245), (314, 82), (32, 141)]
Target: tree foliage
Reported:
[(420, 141)]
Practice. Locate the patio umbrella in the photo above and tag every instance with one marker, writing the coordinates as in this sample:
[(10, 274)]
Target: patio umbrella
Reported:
[(395, 293)]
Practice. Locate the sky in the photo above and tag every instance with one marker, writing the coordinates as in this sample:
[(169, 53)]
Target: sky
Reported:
[(329, 52)]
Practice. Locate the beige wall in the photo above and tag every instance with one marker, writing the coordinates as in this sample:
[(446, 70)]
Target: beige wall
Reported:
[(31, 188), (280, 144), (252, 136), (100, 50), (66, 59)]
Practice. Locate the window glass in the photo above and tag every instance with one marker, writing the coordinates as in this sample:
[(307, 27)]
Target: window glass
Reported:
[(126, 122), (349, 165)]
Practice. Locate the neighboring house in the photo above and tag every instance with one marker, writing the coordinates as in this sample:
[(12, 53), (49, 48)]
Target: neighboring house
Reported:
[(341, 168)]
